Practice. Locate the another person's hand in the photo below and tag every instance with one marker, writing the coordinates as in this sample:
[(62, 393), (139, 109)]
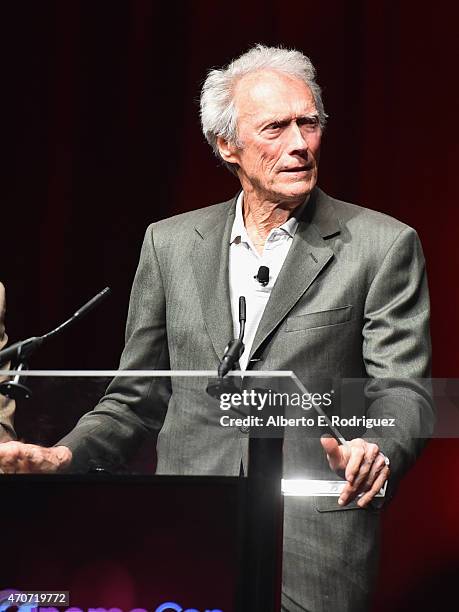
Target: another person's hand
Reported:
[(363, 466), (17, 457)]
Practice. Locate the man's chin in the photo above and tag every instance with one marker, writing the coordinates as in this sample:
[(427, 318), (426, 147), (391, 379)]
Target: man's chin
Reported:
[(291, 193), (298, 191)]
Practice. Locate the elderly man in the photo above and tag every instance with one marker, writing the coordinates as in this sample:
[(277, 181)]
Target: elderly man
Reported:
[(6, 405), (346, 297)]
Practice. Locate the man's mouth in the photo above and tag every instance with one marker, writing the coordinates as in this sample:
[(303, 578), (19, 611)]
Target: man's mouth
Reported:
[(305, 168)]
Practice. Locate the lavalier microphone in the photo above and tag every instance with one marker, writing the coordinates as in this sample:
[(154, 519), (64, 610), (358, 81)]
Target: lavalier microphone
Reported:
[(262, 276)]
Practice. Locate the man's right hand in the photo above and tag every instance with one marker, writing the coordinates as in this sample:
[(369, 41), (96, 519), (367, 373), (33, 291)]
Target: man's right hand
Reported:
[(20, 458)]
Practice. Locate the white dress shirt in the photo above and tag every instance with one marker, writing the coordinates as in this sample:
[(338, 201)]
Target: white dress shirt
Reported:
[(244, 262)]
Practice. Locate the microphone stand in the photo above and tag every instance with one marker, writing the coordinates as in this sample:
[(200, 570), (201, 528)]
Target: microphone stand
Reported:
[(263, 505), (20, 352)]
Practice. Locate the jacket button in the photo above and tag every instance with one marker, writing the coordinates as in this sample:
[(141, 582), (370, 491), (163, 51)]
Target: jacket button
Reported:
[(244, 429)]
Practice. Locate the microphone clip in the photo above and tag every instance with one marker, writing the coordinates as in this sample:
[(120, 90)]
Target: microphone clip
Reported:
[(262, 276)]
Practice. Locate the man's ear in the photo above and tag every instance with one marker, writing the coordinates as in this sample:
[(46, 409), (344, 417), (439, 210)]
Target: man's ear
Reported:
[(228, 151)]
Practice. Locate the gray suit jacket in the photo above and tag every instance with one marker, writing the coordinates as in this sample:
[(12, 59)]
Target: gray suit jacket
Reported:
[(351, 301)]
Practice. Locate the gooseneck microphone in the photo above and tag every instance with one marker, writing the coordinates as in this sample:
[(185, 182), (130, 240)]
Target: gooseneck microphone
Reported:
[(236, 347), (21, 351), (262, 276)]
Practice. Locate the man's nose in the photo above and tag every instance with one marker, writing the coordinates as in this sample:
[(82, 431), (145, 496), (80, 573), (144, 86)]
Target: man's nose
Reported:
[(297, 140)]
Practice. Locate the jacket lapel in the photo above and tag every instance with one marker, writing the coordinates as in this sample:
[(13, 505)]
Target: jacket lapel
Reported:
[(307, 256), (210, 267)]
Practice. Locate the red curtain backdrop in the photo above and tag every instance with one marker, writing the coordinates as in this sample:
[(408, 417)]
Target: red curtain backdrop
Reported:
[(101, 136)]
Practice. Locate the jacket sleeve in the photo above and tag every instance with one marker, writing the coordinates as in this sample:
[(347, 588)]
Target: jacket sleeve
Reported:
[(132, 407), (397, 354)]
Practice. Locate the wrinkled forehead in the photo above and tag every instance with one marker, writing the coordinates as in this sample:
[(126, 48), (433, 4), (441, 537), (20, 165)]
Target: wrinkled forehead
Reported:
[(272, 93)]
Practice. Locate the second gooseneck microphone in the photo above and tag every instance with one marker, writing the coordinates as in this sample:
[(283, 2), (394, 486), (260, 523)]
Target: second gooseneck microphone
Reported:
[(21, 351)]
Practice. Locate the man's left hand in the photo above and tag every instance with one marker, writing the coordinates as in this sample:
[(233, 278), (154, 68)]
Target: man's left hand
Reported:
[(363, 466)]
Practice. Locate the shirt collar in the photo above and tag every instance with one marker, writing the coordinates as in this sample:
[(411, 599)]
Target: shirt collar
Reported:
[(239, 231)]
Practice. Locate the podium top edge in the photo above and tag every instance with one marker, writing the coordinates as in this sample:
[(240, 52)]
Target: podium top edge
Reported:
[(148, 373)]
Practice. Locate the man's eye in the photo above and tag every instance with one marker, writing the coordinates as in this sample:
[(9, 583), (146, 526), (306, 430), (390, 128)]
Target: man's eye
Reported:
[(311, 122)]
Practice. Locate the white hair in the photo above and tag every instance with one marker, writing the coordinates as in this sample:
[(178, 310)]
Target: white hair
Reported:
[(218, 111)]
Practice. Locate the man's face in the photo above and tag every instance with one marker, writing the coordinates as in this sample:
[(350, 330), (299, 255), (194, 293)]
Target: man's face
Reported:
[(280, 137)]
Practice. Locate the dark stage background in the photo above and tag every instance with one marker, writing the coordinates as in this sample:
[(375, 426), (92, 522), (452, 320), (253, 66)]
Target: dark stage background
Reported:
[(100, 137)]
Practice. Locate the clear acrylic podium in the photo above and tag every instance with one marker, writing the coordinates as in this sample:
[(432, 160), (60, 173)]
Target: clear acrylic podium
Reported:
[(253, 436)]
